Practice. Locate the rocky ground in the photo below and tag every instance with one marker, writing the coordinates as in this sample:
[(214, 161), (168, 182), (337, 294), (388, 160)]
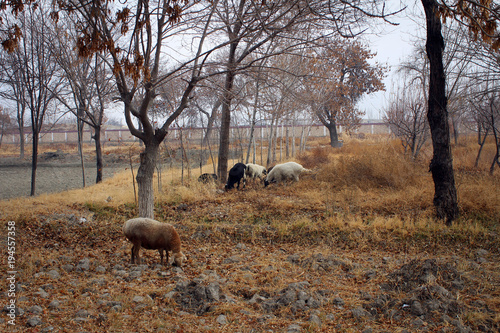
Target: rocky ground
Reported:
[(75, 276), (242, 275)]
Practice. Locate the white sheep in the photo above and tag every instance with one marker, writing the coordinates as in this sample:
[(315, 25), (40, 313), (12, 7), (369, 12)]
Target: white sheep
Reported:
[(153, 235), (285, 171), (254, 171)]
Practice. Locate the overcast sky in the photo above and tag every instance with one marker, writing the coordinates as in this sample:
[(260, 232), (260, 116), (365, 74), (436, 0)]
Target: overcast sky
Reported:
[(392, 45)]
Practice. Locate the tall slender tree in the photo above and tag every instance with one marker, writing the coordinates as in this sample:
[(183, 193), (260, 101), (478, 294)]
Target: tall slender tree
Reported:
[(36, 71), (481, 17)]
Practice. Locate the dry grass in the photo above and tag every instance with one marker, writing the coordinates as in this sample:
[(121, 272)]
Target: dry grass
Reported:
[(363, 203)]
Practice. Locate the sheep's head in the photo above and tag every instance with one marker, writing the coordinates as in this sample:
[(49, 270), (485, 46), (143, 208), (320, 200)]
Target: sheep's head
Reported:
[(179, 258)]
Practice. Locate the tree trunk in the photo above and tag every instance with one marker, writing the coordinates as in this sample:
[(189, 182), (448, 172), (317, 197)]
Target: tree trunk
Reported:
[(334, 136), (441, 166), (270, 142), (145, 179), (98, 154), (79, 126), (497, 153), (251, 140), (34, 163), (481, 145), (21, 140), (210, 123), (225, 127)]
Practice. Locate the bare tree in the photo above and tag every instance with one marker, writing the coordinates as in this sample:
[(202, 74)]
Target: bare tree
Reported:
[(5, 123), (406, 115), (135, 35), (486, 113), (481, 18), (250, 26), (36, 70), (336, 76), (10, 76), (90, 88)]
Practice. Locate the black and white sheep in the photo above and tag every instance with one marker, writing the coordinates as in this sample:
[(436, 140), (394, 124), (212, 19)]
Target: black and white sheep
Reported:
[(206, 178), (254, 171), (236, 174), (285, 171), (153, 235)]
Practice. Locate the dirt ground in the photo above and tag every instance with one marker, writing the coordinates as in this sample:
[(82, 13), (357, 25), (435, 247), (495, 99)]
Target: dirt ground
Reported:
[(55, 173)]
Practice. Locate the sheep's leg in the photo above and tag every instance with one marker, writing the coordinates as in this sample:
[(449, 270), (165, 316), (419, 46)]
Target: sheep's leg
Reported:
[(132, 255), (135, 254), (166, 257), (161, 256)]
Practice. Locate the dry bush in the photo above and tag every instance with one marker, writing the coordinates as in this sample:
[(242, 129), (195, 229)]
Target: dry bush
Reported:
[(372, 167), (315, 158)]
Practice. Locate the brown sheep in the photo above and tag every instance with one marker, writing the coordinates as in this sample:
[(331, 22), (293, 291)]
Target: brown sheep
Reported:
[(153, 235)]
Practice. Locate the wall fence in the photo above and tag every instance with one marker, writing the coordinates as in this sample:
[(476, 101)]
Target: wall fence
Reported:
[(122, 135)]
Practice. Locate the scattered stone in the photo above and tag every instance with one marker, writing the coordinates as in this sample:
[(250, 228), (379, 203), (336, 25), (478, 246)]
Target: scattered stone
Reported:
[(54, 274), (241, 246), (338, 301), (42, 293), (294, 259), (48, 329), (360, 314), (138, 299), (100, 269), (256, 298), (114, 303), (196, 297), (133, 275), (182, 206), (222, 320), (296, 296), (82, 314), (177, 270), (232, 260), (34, 321), (35, 309), (121, 273), (83, 265), (54, 305), (370, 274), (418, 323), (294, 328), (417, 273), (116, 308), (68, 267), (367, 330), (481, 260), (213, 292), (417, 309), (315, 320), (481, 252)]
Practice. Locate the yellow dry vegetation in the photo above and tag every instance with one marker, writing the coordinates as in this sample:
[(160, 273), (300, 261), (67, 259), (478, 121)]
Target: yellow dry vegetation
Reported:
[(367, 205)]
